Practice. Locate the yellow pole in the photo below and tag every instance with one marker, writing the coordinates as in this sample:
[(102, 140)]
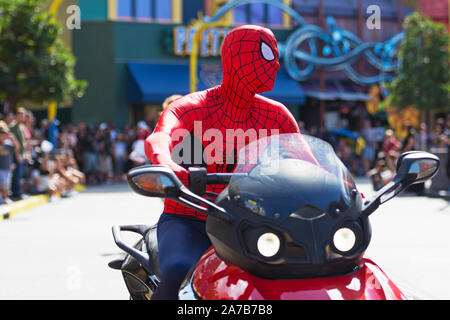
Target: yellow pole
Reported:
[(54, 7), (286, 17), (193, 59), (199, 26), (112, 9), (51, 112), (177, 11)]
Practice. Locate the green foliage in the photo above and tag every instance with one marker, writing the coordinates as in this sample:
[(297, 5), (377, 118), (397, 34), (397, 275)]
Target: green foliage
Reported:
[(35, 65), (424, 76)]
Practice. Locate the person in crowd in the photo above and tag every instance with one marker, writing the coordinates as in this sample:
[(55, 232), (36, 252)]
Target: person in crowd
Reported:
[(105, 164), (56, 173), (68, 176), (8, 148), (63, 141), (368, 153), (8, 118), (120, 156), (44, 128), (439, 139), (301, 126), (72, 166), (72, 137), (80, 145), (378, 131), (137, 154), (17, 128), (169, 100), (112, 131), (422, 138), (29, 124), (410, 140), (345, 153), (445, 144), (357, 153), (380, 175), (390, 149), (88, 148), (447, 126), (44, 177)]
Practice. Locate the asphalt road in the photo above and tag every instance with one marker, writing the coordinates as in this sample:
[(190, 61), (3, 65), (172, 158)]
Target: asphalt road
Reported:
[(61, 250)]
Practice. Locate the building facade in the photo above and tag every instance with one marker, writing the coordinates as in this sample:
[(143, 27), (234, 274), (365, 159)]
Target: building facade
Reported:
[(135, 53)]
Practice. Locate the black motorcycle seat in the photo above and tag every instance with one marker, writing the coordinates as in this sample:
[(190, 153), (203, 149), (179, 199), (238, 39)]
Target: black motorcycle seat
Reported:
[(151, 241)]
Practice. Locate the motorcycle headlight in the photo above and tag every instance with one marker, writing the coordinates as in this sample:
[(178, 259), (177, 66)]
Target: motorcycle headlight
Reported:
[(268, 244), (344, 239)]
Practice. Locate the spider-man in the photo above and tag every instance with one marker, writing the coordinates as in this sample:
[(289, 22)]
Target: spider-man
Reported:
[(250, 63)]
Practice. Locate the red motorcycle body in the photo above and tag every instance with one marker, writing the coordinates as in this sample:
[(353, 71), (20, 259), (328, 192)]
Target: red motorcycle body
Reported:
[(215, 279)]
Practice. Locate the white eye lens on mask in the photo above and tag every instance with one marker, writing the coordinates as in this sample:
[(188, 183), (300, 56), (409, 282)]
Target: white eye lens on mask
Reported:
[(267, 52)]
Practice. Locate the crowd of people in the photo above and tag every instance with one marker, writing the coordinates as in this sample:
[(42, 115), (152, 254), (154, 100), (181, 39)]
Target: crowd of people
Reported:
[(30, 164), (80, 154), (373, 151), (83, 154)]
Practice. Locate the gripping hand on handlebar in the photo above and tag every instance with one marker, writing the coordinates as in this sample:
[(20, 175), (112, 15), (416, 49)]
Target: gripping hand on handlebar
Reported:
[(158, 150)]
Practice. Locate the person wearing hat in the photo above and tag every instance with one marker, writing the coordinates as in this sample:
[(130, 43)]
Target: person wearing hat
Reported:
[(8, 147)]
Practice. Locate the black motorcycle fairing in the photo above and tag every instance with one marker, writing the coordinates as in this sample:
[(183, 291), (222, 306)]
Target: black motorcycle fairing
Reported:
[(307, 249), (290, 191), (304, 203)]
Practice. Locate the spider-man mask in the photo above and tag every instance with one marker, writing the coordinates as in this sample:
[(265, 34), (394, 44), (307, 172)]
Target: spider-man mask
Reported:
[(249, 60)]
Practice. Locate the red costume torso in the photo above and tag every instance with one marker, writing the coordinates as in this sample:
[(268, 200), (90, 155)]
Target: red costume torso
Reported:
[(250, 63)]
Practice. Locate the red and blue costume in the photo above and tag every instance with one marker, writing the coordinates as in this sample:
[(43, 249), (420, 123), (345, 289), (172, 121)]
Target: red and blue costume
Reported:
[(250, 63)]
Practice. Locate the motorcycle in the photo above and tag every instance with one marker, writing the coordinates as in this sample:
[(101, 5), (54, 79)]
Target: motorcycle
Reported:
[(290, 224)]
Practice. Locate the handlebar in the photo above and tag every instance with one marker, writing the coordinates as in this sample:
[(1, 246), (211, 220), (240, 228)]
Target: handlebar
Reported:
[(221, 178), (199, 179)]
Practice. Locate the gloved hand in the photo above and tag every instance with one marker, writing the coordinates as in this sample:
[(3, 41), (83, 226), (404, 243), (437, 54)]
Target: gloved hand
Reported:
[(181, 172)]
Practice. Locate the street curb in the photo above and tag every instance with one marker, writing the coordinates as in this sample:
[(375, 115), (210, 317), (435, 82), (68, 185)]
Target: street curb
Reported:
[(8, 211)]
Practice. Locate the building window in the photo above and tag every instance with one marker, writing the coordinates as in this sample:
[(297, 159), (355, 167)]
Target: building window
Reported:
[(258, 13), (145, 10), (163, 10), (124, 9)]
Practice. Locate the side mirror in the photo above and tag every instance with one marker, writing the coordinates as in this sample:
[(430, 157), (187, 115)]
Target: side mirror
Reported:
[(412, 167), (154, 181), (162, 182), (416, 167)]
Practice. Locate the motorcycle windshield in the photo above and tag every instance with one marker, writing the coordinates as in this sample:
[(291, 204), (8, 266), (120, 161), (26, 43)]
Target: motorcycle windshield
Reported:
[(291, 174)]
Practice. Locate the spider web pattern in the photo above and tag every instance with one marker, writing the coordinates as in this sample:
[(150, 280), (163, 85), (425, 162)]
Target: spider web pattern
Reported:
[(234, 105)]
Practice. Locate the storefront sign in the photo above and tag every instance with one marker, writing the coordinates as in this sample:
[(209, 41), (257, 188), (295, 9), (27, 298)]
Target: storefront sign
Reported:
[(210, 43)]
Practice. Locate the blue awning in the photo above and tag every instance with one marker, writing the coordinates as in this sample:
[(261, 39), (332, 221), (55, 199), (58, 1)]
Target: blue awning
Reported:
[(154, 82), (286, 90)]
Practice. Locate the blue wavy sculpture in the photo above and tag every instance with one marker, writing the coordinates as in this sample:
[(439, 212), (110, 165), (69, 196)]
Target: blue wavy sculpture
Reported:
[(340, 48)]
